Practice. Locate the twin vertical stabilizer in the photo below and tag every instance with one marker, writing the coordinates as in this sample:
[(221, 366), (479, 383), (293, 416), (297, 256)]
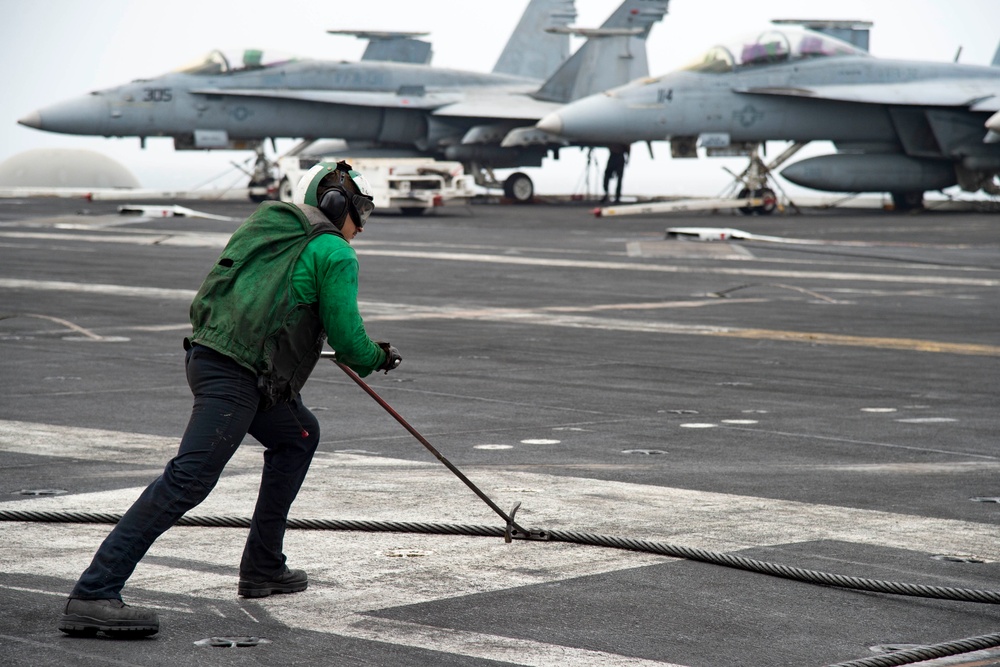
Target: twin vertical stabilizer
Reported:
[(531, 52), (613, 54)]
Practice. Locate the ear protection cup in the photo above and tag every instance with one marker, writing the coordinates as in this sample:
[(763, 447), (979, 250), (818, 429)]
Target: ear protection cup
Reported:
[(333, 203)]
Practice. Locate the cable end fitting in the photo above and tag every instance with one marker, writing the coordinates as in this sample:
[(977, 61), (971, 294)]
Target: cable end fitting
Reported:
[(534, 534), (516, 532)]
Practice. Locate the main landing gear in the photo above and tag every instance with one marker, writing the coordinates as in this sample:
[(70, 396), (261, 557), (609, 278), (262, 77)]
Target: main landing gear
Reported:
[(518, 187), (756, 181)]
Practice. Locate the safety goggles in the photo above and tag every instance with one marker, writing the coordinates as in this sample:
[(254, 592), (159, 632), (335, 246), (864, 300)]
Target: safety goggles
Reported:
[(361, 205), (361, 208)]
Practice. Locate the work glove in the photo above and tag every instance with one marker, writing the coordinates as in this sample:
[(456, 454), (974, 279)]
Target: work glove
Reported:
[(392, 357)]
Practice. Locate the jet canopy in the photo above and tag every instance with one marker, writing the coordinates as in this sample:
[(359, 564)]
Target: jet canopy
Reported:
[(219, 62), (771, 46)]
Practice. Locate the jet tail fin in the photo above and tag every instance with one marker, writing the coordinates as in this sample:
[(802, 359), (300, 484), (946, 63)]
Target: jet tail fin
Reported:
[(613, 54), (531, 52)]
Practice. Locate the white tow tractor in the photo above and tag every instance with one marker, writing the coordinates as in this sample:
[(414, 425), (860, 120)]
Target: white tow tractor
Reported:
[(411, 184)]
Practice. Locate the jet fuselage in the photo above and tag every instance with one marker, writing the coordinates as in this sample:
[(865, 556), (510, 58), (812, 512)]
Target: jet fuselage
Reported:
[(687, 103), (924, 125), (257, 104)]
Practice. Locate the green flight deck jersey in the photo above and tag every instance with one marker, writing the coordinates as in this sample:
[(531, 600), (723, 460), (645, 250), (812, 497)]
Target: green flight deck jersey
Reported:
[(286, 282)]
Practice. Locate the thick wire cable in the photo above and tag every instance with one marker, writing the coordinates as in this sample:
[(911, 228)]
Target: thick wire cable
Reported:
[(922, 653), (572, 537), (904, 657)]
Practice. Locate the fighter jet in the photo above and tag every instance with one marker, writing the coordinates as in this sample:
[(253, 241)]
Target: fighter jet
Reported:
[(903, 127), (486, 121)]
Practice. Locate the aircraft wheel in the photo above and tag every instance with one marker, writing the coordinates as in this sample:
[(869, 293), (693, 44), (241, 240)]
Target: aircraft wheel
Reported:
[(519, 187), (769, 201), (285, 191), (412, 210)]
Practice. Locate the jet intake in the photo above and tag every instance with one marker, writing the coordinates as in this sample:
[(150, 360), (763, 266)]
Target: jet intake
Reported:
[(871, 173), (531, 136), (486, 134)]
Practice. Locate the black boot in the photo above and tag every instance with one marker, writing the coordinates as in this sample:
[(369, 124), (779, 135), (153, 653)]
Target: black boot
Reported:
[(83, 618), (292, 581)]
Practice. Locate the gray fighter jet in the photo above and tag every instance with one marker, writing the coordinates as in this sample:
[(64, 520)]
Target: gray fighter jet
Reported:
[(902, 127), (484, 120)]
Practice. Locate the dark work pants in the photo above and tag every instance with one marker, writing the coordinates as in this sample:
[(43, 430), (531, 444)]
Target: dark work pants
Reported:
[(226, 408), (615, 172)]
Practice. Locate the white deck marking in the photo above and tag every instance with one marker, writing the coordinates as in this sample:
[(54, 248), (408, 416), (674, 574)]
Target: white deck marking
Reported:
[(133, 237), (209, 239), (670, 268), (483, 646), (354, 573), (97, 288), (557, 316)]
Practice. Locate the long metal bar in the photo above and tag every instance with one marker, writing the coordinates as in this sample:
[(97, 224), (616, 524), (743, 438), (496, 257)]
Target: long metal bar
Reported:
[(508, 519), (679, 205)]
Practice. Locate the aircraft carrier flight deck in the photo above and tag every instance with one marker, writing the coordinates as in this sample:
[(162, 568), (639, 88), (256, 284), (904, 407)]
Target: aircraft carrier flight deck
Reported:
[(823, 398)]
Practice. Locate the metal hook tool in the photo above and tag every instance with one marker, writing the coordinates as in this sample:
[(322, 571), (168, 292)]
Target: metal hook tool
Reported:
[(512, 530)]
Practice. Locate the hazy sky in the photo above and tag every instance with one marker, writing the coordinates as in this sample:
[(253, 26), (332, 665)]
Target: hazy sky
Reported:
[(55, 49)]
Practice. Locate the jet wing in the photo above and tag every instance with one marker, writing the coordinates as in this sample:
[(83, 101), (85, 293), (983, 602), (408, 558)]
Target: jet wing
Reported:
[(391, 100), (974, 94)]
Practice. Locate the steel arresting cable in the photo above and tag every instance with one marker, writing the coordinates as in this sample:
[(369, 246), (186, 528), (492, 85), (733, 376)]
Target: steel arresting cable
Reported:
[(922, 653), (903, 657), (572, 537)]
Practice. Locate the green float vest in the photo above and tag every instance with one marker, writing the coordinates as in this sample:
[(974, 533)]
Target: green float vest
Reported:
[(246, 308)]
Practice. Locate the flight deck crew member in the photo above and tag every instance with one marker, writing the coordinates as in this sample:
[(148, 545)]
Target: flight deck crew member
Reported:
[(615, 169), (287, 281)]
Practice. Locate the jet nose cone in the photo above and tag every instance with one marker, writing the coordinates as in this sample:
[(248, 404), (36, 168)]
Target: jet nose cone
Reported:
[(33, 119), (598, 119), (552, 123), (87, 114)]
